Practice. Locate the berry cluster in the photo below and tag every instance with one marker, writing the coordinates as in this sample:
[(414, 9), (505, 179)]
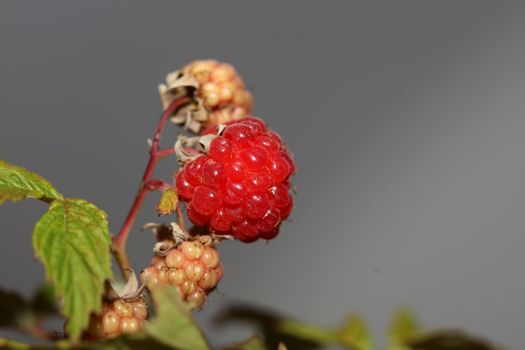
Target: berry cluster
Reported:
[(193, 268), (117, 317), (217, 92), (241, 186), (220, 86)]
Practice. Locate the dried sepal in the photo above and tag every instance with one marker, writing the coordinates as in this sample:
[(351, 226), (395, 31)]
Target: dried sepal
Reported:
[(205, 142), (186, 149), (177, 84), (162, 248), (191, 116), (212, 239), (131, 290), (167, 236)]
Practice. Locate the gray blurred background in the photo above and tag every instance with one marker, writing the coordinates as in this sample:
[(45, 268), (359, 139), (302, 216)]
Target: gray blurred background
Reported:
[(406, 119)]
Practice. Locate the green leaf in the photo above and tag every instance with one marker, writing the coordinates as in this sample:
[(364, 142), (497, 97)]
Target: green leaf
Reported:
[(308, 332), (404, 327), (355, 334), (72, 240), (254, 343), (174, 325), (17, 183)]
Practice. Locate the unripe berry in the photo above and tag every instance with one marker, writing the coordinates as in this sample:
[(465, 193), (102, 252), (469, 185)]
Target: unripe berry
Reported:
[(241, 186), (220, 85), (192, 267), (218, 93), (117, 317)]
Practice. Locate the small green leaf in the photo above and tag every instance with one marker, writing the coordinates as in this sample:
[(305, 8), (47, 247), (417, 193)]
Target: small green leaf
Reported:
[(17, 183), (72, 240), (168, 202), (355, 334), (404, 326), (174, 325), (254, 343), (308, 332)]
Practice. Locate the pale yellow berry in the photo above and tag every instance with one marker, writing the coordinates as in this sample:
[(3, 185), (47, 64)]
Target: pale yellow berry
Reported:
[(191, 250), (212, 99), (153, 281), (123, 309), (194, 271), (242, 98), (208, 280), (196, 298), (177, 276), (175, 258), (222, 73), (164, 277), (210, 257), (140, 310), (210, 88), (158, 262), (188, 287), (226, 93), (111, 322), (129, 325)]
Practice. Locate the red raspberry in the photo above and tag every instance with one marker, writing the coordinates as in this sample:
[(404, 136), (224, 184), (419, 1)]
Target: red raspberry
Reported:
[(195, 269), (241, 186), (117, 317)]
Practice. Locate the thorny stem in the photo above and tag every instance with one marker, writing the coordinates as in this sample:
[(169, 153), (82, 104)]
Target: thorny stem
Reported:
[(155, 154)]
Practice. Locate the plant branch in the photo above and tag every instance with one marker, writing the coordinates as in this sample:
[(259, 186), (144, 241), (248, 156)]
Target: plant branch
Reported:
[(180, 217), (166, 152), (155, 154)]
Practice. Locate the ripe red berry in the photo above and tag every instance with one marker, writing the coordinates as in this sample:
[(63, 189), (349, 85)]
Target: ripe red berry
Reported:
[(117, 317), (241, 186), (195, 269)]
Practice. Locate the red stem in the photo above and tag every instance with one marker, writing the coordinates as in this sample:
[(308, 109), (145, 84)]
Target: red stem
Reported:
[(119, 241)]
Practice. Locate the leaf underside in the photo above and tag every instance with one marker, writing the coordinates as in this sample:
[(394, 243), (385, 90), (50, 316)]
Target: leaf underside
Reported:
[(72, 240)]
